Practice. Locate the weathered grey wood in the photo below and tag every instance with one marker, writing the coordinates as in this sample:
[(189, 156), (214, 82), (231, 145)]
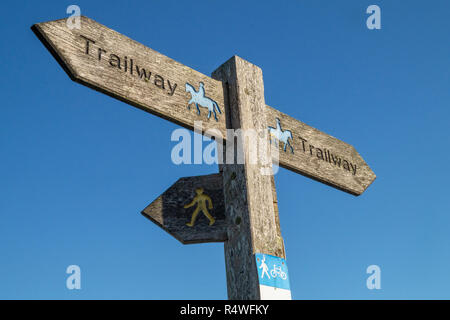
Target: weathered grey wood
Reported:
[(83, 65), (168, 211), (249, 204), (98, 67), (316, 155), (109, 62), (277, 213)]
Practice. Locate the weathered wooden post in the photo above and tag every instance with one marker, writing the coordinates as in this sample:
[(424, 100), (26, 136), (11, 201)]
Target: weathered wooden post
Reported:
[(253, 225), (245, 214)]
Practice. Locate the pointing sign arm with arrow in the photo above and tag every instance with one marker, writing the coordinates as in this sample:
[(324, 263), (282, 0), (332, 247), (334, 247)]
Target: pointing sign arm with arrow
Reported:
[(112, 63), (322, 157), (118, 66), (109, 62)]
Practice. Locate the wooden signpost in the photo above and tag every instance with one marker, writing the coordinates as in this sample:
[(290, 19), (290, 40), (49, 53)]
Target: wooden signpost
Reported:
[(322, 157), (170, 211), (107, 61), (238, 205)]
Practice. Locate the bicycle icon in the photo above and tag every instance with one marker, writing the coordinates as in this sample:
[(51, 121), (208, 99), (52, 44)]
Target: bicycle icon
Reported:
[(276, 271)]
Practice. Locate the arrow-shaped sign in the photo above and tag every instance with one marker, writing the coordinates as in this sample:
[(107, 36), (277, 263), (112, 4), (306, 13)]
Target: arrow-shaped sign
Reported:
[(192, 210), (107, 61), (318, 155), (118, 66)]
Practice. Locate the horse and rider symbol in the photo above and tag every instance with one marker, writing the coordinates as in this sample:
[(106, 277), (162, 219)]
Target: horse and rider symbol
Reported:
[(281, 135), (200, 100)]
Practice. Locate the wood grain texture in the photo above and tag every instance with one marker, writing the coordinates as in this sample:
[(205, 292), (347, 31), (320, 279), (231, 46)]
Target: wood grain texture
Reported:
[(109, 62), (168, 212), (249, 204), (322, 157), (102, 67)]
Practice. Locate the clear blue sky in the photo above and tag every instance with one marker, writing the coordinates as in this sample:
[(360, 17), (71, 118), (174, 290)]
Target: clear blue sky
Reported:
[(77, 167)]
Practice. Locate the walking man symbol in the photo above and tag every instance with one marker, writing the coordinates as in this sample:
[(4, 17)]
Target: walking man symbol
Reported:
[(264, 268), (200, 199)]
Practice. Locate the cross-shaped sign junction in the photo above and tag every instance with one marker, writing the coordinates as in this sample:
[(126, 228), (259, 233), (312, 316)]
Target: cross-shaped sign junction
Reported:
[(237, 206)]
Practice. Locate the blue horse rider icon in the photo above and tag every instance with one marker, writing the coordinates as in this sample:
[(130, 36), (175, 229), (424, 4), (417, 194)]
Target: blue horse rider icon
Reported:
[(199, 99), (281, 135)]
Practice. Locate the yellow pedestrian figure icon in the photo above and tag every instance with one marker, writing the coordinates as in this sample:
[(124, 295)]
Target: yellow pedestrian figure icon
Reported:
[(200, 199)]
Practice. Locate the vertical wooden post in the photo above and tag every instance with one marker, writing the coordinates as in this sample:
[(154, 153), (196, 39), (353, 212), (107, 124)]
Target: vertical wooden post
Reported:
[(250, 198)]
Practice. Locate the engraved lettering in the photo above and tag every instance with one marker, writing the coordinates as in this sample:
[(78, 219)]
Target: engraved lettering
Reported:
[(87, 43), (172, 89), (159, 81), (114, 60)]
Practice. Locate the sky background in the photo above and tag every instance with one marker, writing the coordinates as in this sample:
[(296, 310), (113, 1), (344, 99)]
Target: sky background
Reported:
[(77, 166)]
